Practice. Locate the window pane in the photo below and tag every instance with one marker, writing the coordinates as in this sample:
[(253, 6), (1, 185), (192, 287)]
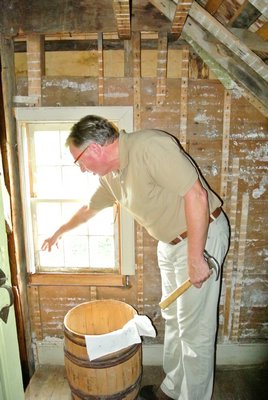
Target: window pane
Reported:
[(76, 251), (48, 182), (47, 147), (48, 217), (101, 251), (52, 259), (59, 189), (102, 223)]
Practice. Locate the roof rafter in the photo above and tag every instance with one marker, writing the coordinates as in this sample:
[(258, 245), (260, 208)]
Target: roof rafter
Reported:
[(233, 73), (229, 40), (261, 5), (181, 13), (122, 16), (176, 11), (166, 7)]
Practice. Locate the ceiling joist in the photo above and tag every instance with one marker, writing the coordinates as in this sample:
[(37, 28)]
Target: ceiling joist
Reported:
[(181, 13), (166, 7), (122, 16), (175, 11)]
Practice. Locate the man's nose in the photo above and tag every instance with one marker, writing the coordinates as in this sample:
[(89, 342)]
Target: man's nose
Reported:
[(82, 168)]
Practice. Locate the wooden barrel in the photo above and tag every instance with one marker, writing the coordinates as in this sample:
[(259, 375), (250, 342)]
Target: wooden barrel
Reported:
[(114, 376)]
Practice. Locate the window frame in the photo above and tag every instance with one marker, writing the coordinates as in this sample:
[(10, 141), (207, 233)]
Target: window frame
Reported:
[(124, 120)]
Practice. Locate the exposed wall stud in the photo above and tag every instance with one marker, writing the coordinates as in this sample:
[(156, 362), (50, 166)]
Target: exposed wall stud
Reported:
[(36, 66), (161, 68), (229, 265), (137, 125), (101, 69), (225, 143), (184, 96), (240, 266)]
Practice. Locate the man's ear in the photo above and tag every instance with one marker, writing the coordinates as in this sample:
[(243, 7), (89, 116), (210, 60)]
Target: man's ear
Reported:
[(96, 149)]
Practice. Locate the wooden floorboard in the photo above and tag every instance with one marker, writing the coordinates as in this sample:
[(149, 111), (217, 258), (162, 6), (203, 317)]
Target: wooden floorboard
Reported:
[(231, 383)]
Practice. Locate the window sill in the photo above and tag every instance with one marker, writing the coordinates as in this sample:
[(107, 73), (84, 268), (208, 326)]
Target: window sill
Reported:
[(57, 279)]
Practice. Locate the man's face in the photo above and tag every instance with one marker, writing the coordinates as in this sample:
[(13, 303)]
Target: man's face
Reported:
[(90, 158)]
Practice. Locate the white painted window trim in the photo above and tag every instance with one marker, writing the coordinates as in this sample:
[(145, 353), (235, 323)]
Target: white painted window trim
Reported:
[(124, 119)]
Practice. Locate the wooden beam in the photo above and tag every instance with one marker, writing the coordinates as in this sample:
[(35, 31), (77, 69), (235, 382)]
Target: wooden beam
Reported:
[(166, 7), (184, 96), (225, 143), (261, 5), (229, 265), (36, 66), (161, 85), (55, 279), (263, 33), (15, 242), (233, 74), (100, 70), (240, 266), (177, 13), (245, 16), (128, 59), (250, 39), (229, 40), (181, 13), (122, 16), (213, 5)]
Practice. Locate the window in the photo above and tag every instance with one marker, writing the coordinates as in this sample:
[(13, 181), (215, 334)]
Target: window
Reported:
[(54, 188)]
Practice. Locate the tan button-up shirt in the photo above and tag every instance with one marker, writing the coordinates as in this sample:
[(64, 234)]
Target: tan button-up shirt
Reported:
[(155, 174)]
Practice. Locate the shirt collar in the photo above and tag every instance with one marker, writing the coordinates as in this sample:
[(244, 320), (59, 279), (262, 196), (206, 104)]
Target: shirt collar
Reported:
[(123, 150)]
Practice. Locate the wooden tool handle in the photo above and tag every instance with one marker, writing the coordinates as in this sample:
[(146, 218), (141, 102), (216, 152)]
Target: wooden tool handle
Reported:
[(175, 294)]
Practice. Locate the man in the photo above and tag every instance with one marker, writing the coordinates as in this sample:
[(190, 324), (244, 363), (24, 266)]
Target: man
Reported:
[(150, 175)]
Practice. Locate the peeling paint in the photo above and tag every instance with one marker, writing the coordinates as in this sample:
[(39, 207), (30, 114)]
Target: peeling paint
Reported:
[(214, 170), (264, 253), (258, 192), (201, 118), (67, 84), (259, 154), (254, 134), (236, 93)]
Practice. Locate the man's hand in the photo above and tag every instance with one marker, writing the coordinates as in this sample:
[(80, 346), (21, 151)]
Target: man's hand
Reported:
[(199, 272), (50, 242)]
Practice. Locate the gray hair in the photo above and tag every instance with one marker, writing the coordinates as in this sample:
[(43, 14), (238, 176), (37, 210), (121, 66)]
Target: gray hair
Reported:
[(92, 129)]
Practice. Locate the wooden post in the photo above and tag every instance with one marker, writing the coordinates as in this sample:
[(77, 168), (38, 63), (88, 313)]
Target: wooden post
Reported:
[(231, 253), (36, 66), (137, 126), (15, 244), (225, 143), (184, 96), (101, 70), (161, 86), (128, 59), (240, 266)]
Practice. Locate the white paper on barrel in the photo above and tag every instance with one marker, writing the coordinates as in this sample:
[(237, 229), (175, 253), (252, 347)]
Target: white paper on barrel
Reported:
[(101, 345)]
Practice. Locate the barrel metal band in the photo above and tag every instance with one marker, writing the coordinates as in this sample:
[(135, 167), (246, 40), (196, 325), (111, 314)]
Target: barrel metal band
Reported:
[(116, 396), (105, 363)]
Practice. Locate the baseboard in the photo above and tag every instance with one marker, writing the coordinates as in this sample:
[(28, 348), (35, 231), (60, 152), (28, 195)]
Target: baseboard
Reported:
[(50, 351)]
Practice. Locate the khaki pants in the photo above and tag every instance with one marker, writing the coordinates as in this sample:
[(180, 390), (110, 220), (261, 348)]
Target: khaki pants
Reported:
[(191, 321)]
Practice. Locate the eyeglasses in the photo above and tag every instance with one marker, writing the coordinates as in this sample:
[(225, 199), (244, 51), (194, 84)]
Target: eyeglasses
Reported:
[(80, 155)]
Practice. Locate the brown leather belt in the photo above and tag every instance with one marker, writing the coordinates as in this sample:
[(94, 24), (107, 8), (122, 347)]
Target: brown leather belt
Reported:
[(183, 235)]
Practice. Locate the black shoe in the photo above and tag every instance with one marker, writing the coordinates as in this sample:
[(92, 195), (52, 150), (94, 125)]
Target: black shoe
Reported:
[(152, 392)]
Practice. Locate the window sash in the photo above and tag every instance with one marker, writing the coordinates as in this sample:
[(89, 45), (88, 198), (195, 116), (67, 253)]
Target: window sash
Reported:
[(124, 223)]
